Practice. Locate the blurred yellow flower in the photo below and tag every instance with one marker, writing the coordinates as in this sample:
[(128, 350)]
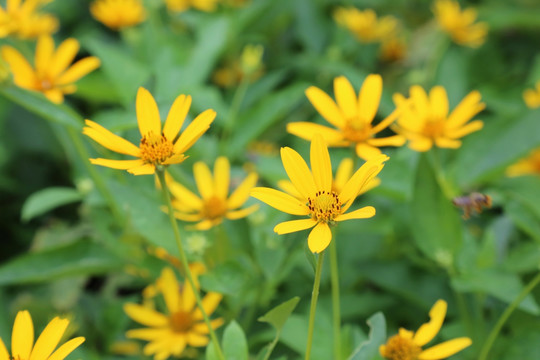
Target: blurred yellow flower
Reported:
[(22, 340), (251, 58), (425, 121), (365, 25), (180, 325), (53, 76), (118, 14), (532, 96), (158, 146), (318, 201), (184, 5), (527, 166), (351, 115), (393, 49), (214, 205), (408, 345), (22, 19), (460, 24), (248, 67)]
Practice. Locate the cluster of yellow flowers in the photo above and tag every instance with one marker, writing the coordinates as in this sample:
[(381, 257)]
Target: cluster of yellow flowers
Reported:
[(24, 19)]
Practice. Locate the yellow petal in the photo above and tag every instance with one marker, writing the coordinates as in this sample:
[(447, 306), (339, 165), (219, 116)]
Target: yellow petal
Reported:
[(361, 177), (366, 152), (145, 169), (447, 143), (78, 70), (55, 95), (188, 300), (369, 98), (346, 98), (117, 164), (465, 130), (439, 102), (427, 332), (168, 285), (203, 329), (44, 52), (240, 195), (387, 121), (175, 159), (203, 179), (288, 187), (63, 56), (49, 339), (197, 340), (145, 316), (325, 106), (177, 115), (445, 349), (280, 201), (319, 238), (396, 140), (298, 172), (287, 227), (210, 302), (23, 73), (148, 334), (185, 197), (194, 131), (320, 164), (222, 173), (22, 337), (307, 131), (421, 144), (420, 101), (4, 355), (109, 140), (466, 109), (363, 213), (238, 214), (66, 349), (343, 174), (147, 113)]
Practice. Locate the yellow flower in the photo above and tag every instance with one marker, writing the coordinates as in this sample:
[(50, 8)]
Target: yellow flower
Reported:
[(527, 166), (351, 115), (425, 120), (460, 24), (53, 76), (407, 345), (532, 97), (318, 201), (214, 204), (158, 146), (22, 340), (21, 18), (180, 325), (393, 49), (184, 5), (118, 14), (365, 25)]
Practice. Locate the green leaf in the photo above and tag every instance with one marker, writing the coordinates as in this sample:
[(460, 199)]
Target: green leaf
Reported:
[(48, 199), (377, 336), (81, 258), (235, 343), (279, 315)]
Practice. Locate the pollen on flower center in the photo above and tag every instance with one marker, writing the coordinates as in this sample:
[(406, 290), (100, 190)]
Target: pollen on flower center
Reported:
[(181, 321), (356, 133), (325, 206), (214, 208), (401, 348), (155, 149)]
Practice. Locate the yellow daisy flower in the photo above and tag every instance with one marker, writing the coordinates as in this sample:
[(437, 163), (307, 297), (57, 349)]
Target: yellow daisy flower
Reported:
[(532, 96), (527, 166), (407, 345), (365, 25), (53, 76), (214, 205), (319, 202), (425, 121), (460, 24), (22, 19), (351, 115), (118, 14), (180, 325), (22, 340), (158, 146), (184, 5)]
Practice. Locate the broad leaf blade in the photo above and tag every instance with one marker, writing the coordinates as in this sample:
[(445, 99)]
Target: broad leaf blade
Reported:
[(279, 315), (377, 336), (48, 199)]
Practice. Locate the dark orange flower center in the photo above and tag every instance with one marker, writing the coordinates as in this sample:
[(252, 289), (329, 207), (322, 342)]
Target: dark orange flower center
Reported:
[(434, 128), (44, 83), (400, 348), (181, 321), (325, 206), (214, 208), (155, 149), (356, 133)]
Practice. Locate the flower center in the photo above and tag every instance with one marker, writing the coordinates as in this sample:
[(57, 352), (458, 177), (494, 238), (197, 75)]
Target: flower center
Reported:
[(325, 206), (181, 321), (400, 348), (44, 83), (434, 128), (214, 208), (155, 149), (356, 133)]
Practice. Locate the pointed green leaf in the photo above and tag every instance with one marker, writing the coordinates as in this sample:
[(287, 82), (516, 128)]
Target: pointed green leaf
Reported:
[(235, 343), (377, 336), (48, 199), (279, 315)]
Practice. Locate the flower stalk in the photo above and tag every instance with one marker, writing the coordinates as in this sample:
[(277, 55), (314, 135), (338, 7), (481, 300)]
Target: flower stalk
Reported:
[(336, 313), (313, 307)]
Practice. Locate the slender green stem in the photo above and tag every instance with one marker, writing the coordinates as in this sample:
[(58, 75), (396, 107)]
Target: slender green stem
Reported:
[(314, 297), (272, 346), (446, 187), (183, 260), (234, 109), (336, 313), (505, 315)]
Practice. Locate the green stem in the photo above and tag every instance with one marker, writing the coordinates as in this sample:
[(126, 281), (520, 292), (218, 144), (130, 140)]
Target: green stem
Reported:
[(446, 187), (336, 314), (183, 260), (314, 297), (272, 346), (234, 109), (505, 315)]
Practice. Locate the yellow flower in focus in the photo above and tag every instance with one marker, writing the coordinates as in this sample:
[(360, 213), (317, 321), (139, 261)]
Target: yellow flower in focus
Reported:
[(365, 25), (351, 115), (53, 76), (159, 146), (118, 14), (527, 166), (184, 5), (317, 200), (532, 96), (407, 345), (22, 340), (425, 121), (460, 24), (22, 19), (181, 325), (214, 205)]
